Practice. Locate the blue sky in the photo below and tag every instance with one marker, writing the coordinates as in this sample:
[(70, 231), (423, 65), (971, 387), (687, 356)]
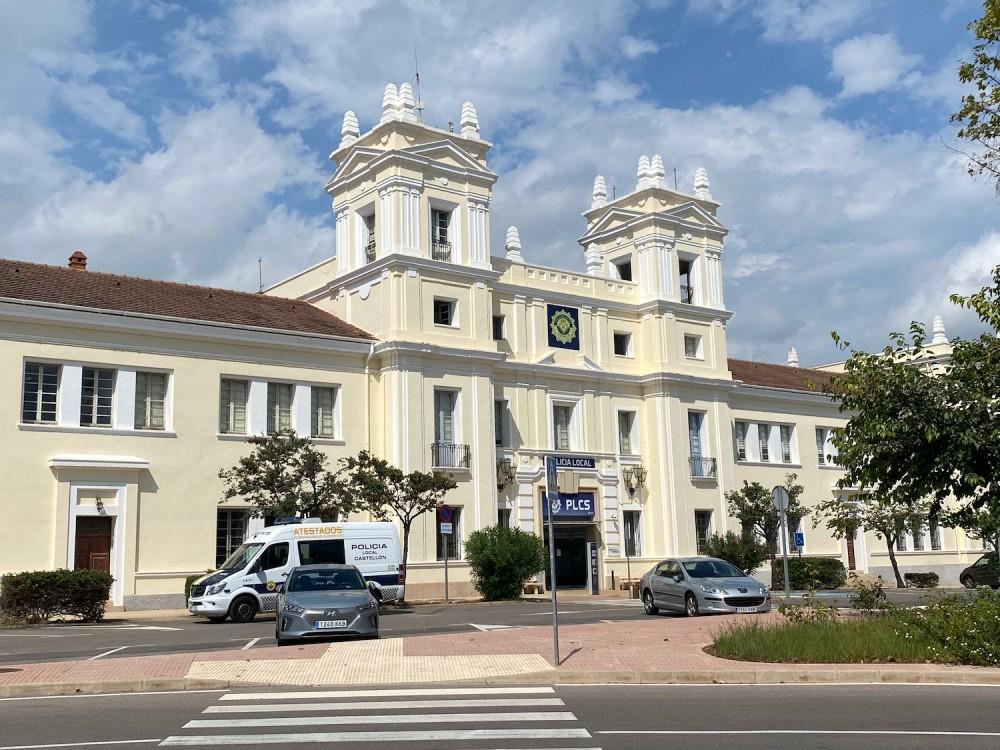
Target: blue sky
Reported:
[(185, 140)]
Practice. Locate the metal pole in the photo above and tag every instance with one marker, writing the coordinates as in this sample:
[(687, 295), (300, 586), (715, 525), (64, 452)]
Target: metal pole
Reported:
[(784, 551), (552, 581), (445, 568)]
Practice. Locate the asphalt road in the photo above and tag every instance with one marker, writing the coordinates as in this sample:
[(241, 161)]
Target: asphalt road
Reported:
[(641, 717)]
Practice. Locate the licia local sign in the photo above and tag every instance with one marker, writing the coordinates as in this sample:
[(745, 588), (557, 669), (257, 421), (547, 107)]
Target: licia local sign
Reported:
[(575, 462), (579, 505)]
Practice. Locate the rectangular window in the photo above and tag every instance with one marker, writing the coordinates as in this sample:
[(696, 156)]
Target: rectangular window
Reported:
[(786, 443), (901, 542), (503, 518), (150, 400), (631, 525), (321, 552), (695, 421), (692, 347), (935, 535), (499, 334), (440, 236), (96, 394), (279, 407), (454, 539), (702, 529), (233, 407), (230, 533), (626, 422), (741, 440), (687, 290), (623, 269), (444, 312), (764, 438), (562, 417), (918, 538), (444, 416), (369, 240), (500, 423), (623, 344), (41, 387), (323, 402)]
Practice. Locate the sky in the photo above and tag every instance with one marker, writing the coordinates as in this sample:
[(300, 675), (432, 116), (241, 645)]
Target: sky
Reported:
[(185, 140)]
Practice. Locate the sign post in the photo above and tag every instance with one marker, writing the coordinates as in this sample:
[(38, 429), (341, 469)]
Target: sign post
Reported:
[(444, 518), (780, 499), (552, 497)]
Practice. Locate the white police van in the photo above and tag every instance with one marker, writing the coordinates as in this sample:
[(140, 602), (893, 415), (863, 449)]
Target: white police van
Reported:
[(249, 581)]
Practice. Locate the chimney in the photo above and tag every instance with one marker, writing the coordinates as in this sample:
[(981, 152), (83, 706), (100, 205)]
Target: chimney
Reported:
[(78, 261)]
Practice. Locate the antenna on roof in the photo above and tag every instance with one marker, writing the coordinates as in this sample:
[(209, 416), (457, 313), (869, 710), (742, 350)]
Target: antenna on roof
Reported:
[(419, 104), (260, 276), (674, 163), (614, 192)]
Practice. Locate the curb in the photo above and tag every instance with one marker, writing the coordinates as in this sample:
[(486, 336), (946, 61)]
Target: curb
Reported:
[(35, 690)]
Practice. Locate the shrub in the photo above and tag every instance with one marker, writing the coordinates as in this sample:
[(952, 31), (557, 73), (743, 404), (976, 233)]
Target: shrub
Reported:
[(964, 631), (742, 550), (809, 573), (868, 597), (41, 595), (811, 610), (502, 559), (921, 580)]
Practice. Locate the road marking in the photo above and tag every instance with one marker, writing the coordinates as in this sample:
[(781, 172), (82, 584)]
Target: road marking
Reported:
[(137, 627), (573, 611), (900, 732), (111, 695), (402, 693), (799, 685), (80, 744), (108, 653), (487, 628), (250, 644), (317, 721), (385, 705), (39, 635), (386, 737)]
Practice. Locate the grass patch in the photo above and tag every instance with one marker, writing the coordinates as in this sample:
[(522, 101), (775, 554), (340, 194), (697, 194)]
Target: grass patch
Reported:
[(855, 641)]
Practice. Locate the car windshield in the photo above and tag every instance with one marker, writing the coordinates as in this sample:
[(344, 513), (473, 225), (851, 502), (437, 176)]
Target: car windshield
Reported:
[(242, 556), (331, 579), (711, 569)]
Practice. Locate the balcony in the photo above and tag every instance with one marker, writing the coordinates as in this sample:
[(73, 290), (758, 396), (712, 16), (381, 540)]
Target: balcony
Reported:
[(703, 467), (687, 294), (441, 250), (450, 456), (370, 252)]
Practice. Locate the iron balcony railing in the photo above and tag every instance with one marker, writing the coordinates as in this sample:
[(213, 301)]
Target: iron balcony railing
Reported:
[(703, 467), (450, 455), (370, 252), (687, 294), (441, 250)]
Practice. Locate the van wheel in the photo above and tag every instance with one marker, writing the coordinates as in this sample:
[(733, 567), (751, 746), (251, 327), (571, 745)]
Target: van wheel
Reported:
[(243, 609), (968, 582), (647, 603), (217, 618)]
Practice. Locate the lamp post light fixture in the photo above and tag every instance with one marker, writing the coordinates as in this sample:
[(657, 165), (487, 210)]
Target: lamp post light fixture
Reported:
[(505, 473), (634, 477)]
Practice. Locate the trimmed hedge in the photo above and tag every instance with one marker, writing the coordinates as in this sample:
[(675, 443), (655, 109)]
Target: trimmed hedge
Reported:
[(40, 595), (809, 573), (921, 580)]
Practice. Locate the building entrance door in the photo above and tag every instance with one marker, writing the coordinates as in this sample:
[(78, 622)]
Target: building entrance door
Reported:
[(93, 543), (851, 563), (571, 556)]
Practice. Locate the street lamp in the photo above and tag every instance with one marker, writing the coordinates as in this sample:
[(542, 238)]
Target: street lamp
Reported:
[(634, 478), (505, 473)]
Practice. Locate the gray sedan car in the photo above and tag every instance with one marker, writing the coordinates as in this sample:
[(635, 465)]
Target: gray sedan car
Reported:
[(325, 600), (700, 585)]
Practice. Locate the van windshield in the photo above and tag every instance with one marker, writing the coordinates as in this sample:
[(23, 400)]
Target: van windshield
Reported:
[(242, 556), (329, 579)]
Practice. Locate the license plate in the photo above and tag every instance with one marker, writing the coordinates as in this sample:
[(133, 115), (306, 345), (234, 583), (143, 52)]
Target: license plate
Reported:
[(746, 610), (325, 624)]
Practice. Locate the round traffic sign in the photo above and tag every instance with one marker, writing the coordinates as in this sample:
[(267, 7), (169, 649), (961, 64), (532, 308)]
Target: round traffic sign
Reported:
[(779, 498), (444, 513)]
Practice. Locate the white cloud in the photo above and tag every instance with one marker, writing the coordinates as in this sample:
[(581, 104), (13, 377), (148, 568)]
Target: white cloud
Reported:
[(634, 47), (869, 63), (94, 104), (789, 20), (751, 263)]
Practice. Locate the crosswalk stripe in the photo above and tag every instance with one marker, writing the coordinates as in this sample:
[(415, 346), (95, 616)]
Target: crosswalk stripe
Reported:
[(392, 693), (316, 721), (384, 705), (448, 735)]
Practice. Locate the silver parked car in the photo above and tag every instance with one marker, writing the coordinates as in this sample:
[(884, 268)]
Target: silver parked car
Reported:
[(696, 585), (325, 600)]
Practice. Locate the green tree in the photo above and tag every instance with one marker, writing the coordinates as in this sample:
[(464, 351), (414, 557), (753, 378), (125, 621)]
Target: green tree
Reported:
[(886, 517), (979, 115), (977, 523), (284, 475), (752, 506), (502, 559), (742, 550), (385, 491)]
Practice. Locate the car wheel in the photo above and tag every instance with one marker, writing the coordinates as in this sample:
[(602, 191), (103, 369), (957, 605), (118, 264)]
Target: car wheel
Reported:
[(217, 618), (244, 609), (968, 582), (691, 605), (647, 603)]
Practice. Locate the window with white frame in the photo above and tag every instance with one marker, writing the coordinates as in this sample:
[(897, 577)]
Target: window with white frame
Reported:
[(763, 441), (623, 344), (935, 534), (279, 407), (501, 431), (230, 532), (623, 268), (741, 440), (499, 328), (368, 239), (39, 393), (233, 406), (440, 233), (692, 346), (918, 537), (826, 452), (445, 402), (696, 422), (786, 433), (702, 529), (632, 531), (444, 312), (626, 428), (503, 518), (150, 400), (97, 390), (562, 423), (901, 541), (454, 539), (323, 403)]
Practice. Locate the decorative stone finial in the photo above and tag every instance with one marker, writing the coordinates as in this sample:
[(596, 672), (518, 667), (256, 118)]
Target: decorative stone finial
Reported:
[(656, 172), (793, 357), (600, 196), (407, 104), (940, 337), (512, 245), (469, 121), (642, 173), (349, 131), (390, 102), (701, 187)]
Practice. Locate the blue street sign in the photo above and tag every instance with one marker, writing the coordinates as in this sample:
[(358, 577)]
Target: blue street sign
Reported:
[(444, 513), (800, 539)]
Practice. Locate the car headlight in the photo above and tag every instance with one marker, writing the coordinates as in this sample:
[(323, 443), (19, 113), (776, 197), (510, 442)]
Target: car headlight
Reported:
[(215, 588), (293, 608), (764, 591), (368, 605), (712, 589)]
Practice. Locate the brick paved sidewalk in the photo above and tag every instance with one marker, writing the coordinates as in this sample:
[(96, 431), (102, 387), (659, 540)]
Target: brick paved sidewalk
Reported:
[(663, 649)]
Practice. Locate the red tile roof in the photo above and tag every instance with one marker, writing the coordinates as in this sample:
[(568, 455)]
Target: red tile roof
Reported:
[(779, 376), (128, 294)]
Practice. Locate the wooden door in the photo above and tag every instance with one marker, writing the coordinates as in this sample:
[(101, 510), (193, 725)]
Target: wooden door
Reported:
[(93, 543)]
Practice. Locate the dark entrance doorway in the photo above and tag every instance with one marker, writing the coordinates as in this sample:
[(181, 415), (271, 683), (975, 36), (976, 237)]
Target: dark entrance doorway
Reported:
[(93, 543), (571, 555), (849, 536)]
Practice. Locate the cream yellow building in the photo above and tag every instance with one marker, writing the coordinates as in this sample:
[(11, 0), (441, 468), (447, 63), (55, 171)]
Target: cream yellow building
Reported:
[(417, 342)]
